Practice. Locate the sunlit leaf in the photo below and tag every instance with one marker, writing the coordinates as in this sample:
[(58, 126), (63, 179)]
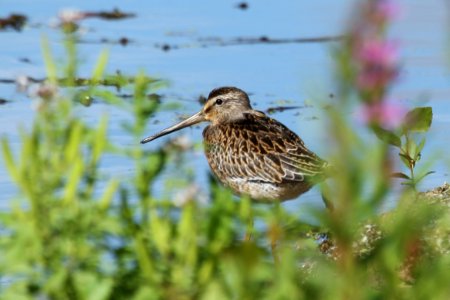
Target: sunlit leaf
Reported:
[(8, 158), (100, 67), (421, 145), (418, 119), (100, 139), (50, 64), (73, 145), (108, 194), (75, 175)]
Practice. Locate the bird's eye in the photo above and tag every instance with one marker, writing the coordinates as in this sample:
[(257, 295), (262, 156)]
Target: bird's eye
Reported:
[(219, 101)]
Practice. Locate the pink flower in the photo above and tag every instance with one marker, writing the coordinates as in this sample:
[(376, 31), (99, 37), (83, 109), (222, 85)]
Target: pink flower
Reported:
[(376, 13), (375, 51), (386, 10), (374, 77), (377, 62), (386, 114)]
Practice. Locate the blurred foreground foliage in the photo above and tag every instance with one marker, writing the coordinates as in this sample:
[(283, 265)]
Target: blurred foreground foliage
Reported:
[(71, 235)]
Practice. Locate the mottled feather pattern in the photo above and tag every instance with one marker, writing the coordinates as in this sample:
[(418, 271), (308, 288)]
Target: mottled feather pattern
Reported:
[(259, 148)]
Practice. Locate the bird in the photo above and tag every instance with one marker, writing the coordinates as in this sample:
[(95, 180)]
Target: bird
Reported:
[(250, 152)]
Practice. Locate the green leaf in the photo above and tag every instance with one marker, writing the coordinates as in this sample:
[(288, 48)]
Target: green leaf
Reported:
[(418, 119), (400, 175), (108, 194), (422, 176), (421, 145), (387, 136), (9, 159), (406, 159), (100, 67), (111, 98), (72, 150), (49, 60), (74, 178), (100, 139)]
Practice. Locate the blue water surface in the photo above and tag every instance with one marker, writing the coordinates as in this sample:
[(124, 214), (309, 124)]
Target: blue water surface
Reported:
[(292, 74)]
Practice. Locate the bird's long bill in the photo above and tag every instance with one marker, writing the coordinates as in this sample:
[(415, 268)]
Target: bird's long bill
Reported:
[(197, 118)]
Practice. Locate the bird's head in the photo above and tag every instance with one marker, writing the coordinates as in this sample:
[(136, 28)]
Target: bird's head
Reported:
[(225, 104)]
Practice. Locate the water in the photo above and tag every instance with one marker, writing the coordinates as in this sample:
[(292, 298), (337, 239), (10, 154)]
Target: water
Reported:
[(297, 73)]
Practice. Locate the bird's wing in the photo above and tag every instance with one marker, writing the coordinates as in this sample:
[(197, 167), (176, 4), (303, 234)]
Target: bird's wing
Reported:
[(262, 149)]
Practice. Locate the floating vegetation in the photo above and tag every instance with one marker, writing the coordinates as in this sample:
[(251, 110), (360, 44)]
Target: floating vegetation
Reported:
[(219, 42), (115, 80), (275, 109), (13, 21)]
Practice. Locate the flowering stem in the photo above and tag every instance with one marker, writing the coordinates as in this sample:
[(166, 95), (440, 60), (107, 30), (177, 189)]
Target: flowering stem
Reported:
[(411, 161)]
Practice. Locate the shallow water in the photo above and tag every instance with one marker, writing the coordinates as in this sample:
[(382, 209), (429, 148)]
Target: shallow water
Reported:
[(298, 73)]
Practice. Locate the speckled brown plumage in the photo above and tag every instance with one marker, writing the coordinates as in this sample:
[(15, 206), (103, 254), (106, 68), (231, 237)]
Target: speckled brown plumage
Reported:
[(250, 152)]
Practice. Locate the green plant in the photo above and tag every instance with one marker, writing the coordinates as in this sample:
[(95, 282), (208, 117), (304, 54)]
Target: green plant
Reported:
[(74, 232)]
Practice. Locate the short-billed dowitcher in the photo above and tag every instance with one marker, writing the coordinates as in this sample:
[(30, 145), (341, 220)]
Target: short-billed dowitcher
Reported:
[(250, 152)]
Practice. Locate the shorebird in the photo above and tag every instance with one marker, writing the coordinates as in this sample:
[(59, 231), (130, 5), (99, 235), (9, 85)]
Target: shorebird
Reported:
[(250, 152)]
